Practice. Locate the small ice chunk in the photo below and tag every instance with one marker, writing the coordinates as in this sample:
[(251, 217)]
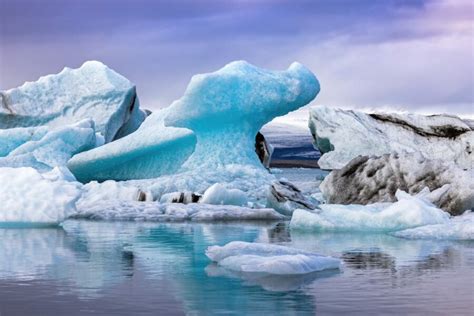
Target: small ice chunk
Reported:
[(457, 228), (271, 259), (31, 197), (218, 194), (407, 212)]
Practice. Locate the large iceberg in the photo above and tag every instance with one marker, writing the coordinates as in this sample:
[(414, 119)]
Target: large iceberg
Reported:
[(31, 197), (206, 137), (91, 91), (408, 212), (44, 148), (366, 180), (269, 259), (343, 135)]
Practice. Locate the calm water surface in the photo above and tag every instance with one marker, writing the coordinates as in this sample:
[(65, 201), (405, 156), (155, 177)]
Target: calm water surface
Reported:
[(151, 269)]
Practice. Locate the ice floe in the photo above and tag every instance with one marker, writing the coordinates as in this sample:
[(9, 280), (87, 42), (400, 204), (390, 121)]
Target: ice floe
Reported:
[(457, 228), (269, 259), (122, 210), (408, 212)]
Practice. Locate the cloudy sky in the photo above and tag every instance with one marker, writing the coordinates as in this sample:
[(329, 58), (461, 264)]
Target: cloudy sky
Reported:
[(413, 55)]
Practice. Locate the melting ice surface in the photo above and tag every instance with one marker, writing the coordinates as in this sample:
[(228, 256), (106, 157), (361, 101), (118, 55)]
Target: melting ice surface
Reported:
[(124, 268)]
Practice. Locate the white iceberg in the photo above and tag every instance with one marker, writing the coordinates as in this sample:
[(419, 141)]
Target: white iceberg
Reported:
[(218, 194), (269, 259), (408, 212), (123, 210), (91, 91), (44, 148), (343, 135), (212, 127), (29, 197), (457, 228)]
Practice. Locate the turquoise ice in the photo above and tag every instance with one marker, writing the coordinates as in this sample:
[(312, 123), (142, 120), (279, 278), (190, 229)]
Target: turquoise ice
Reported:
[(213, 125)]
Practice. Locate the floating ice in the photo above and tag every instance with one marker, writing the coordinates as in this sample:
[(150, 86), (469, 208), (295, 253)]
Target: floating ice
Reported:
[(407, 212), (269, 259), (343, 135), (458, 227), (44, 148), (31, 197), (176, 212), (367, 180), (91, 91), (212, 126), (218, 194)]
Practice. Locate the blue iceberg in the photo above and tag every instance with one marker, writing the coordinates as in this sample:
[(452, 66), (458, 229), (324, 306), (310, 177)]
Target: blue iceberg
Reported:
[(212, 127)]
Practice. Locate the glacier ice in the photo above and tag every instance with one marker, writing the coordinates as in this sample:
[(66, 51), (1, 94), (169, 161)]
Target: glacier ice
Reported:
[(91, 91), (408, 212), (285, 197), (457, 228), (44, 148), (343, 135), (31, 197), (269, 259), (128, 210), (367, 180), (211, 127)]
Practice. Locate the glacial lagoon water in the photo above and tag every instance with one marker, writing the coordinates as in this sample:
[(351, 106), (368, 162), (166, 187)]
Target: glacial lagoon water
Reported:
[(129, 268)]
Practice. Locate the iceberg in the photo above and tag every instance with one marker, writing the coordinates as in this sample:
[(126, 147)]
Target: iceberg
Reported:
[(408, 212), (269, 259), (366, 180), (91, 91), (44, 148), (457, 228), (343, 135), (128, 210), (212, 126), (29, 197)]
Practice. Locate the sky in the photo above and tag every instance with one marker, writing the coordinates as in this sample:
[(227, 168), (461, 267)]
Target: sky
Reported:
[(367, 54)]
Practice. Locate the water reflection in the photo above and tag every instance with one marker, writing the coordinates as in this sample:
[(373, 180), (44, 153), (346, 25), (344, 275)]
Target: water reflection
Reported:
[(93, 260)]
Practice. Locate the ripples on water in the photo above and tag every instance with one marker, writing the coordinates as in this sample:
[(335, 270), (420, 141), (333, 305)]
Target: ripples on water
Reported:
[(143, 268)]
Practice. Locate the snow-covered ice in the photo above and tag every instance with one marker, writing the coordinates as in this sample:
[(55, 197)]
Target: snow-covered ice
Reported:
[(408, 212), (91, 91), (31, 197), (343, 135), (457, 228), (269, 259), (44, 148)]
